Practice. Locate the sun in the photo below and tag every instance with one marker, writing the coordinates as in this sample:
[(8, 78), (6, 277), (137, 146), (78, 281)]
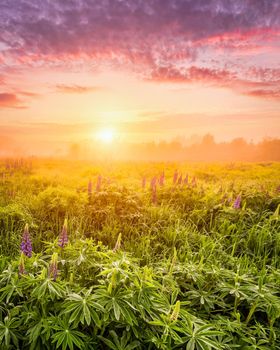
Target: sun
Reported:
[(105, 135)]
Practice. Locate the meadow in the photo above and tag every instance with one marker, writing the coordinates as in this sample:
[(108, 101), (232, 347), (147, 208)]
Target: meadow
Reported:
[(129, 256)]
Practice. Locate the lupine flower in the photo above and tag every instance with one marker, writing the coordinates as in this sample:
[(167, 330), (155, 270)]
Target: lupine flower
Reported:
[(144, 180), (186, 180), (154, 195), (194, 181), (180, 180), (153, 182), (278, 189), (89, 188), (53, 271), (118, 243), (21, 266), (98, 184), (175, 314), (63, 238), (161, 179), (175, 177), (237, 202), (26, 245)]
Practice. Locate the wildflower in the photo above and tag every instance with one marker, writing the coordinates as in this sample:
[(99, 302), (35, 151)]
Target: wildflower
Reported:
[(180, 180), (89, 188), (161, 179), (278, 189), (113, 281), (21, 266), (194, 181), (186, 180), (118, 243), (175, 177), (153, 182), (173, 261), (175, 314), (26, 245), (237, 202), (98, 184), (154, 194), (53, 271), (144, 180), (63, 239)]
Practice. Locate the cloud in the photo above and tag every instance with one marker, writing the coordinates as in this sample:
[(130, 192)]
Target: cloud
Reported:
[(262, 83), (167, 41), (268, 94), (133, 29), (77, 89), (10, 100)]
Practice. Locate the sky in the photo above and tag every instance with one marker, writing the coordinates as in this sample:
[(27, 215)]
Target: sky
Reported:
[(142, 70)]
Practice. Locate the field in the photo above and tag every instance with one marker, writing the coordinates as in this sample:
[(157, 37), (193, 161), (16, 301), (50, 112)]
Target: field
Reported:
[(139, 256)]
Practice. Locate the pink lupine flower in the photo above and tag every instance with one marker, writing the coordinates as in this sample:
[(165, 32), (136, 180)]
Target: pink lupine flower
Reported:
[(98, 183), (63, 239), (26, 245), (237, 202), (175, 177)]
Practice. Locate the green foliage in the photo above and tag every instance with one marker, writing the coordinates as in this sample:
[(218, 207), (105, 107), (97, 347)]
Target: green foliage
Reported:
[(190, 272)]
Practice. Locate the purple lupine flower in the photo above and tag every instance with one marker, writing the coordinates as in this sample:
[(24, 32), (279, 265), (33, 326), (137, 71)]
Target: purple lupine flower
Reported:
[(180, 180), (186, 180), (194, 181), (144, 180), (63, 238), (98, 184), (154, 194), (153, 182), (26, 245), (237, 202), (53, 271), (278, 189), (89, 188), (175, 177), (161, 179)]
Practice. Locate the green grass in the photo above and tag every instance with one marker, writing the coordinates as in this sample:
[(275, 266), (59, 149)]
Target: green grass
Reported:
[(189, 272)]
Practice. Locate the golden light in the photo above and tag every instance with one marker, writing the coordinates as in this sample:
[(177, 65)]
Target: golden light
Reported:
[(105, 135)]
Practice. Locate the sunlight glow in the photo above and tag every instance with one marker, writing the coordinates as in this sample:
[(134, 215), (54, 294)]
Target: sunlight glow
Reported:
[(105, 135)]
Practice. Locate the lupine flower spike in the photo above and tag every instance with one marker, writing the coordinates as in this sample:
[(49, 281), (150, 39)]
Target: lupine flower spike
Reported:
[(161, 179), (89, 188), (175, 314), (194, 182), (186, 180), (144, 182), (153, 182), (180, 180), (154, 194), (237, 202), (63, 239), (175, 177), (26, 245), (53, 271), (98, 184)]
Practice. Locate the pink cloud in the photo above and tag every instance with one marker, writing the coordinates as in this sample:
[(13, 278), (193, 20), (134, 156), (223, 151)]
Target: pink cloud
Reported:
[(10, 100)]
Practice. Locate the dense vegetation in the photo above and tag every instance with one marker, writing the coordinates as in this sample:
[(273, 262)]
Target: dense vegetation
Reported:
[(139, 256)]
